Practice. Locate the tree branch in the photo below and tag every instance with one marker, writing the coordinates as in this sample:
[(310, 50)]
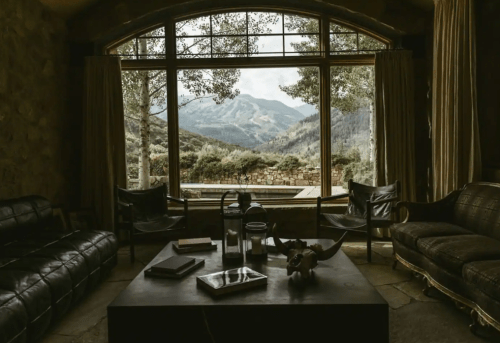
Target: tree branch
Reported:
[(157, 89), (196, 98)]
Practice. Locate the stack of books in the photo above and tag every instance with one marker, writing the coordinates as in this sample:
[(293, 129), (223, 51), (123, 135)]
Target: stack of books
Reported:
[(174, 267), (194, 244)]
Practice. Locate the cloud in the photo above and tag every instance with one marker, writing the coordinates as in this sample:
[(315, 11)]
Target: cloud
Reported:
[(263, 83)]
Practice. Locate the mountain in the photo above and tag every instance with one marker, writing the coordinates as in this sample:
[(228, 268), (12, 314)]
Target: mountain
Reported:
[(244, 120), (303, 137), (306, 109)]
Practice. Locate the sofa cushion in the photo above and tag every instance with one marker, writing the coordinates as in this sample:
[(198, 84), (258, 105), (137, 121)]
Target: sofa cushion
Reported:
[(452, 252), (34, 293), (409, 233), (13, 318), (21, 216), (478, 209), (484, 275)]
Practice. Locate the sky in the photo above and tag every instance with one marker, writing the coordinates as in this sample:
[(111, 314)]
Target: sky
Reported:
[(263, 83)]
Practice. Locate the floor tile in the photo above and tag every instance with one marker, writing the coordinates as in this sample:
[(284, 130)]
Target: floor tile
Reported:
[(393, 296), (90, 310), (381, 274)]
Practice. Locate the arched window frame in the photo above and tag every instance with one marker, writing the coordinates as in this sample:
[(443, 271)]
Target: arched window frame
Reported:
[(323, 61)]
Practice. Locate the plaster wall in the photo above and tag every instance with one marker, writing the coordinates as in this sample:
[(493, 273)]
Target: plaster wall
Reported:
[(36, 143)]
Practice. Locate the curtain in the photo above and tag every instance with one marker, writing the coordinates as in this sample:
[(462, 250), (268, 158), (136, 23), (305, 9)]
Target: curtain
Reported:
[(394, 122), (456, 155), (103, 151)]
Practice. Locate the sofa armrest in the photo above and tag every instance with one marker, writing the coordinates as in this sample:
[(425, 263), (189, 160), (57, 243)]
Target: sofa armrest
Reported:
[(437, 211)]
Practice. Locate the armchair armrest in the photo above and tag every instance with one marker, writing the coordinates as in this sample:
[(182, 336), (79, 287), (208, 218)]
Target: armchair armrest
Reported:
[(179, 201), (123, 204), (332, 197), (126, 210), (439, 211)]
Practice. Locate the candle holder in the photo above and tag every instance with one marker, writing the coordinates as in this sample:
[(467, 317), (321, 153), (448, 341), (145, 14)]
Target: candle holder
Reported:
[(232, 235), (255, 241)]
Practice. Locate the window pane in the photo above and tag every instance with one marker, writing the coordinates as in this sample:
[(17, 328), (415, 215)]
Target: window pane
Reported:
[(151, 48), (159, 32), (229, 46), (266, 44), (262, 141), (343, 42), (369, 43), (265, 22), (127, 50), (198, 47), (352, 96), (301, 43), (335, 28), (233, 23), (135, 85), (298, 24), (193, 27)]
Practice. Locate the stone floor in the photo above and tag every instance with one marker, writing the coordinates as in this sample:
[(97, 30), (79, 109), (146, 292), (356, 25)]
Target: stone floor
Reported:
[(413, 316)]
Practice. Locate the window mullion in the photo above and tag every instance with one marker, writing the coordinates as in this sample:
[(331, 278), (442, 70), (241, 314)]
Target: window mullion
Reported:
[(172, 111), (325, 121)]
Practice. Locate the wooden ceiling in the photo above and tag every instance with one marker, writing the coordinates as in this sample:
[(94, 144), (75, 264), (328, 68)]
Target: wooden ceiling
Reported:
[(68, 9)]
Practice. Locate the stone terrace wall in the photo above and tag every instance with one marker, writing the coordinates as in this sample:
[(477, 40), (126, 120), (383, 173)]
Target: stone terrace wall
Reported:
[(37, 147), (273, 177)]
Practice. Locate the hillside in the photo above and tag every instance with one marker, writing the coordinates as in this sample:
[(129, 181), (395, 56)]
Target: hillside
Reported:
[(244, 120), (188, 141), (303, 137)]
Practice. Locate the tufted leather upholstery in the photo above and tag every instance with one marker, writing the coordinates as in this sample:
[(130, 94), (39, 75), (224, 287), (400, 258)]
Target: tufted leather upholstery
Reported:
[(461, 241), (44, 272)]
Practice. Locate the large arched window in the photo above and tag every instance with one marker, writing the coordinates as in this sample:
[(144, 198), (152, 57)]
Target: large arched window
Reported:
[(279, 104)]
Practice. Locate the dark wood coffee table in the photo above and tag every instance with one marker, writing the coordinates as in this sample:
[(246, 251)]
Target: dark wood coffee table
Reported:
[(338, 303)]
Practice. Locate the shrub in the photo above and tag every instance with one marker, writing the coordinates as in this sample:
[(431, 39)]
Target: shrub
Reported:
[(158, 165), (340, 160), (361, 172), (290, 162), (247, 162), (187, 159), (207, 166)]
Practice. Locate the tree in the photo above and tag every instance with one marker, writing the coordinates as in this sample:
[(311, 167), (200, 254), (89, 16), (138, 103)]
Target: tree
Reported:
[(145, 90), (351, 87)]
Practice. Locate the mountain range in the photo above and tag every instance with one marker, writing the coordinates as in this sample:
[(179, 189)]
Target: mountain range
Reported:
[(244, 120), (347, 130)]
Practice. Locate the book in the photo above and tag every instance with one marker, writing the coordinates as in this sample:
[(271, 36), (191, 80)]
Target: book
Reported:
[(172, 264), (183, 250), (231, 280), (198, 262), (194, 242)]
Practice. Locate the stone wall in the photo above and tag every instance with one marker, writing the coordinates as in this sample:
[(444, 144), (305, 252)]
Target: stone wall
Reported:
[(36, 145), (273, 177)]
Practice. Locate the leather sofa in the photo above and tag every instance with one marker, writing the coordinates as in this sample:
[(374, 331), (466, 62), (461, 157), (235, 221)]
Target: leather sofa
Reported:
[(455, 244), (43, 272)]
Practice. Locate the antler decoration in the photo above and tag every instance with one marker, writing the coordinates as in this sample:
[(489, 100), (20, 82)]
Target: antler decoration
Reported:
[(301, 257)]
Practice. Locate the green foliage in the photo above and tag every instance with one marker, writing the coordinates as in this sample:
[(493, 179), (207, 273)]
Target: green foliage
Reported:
[(187, 159), (159, 165), (351, 86), (290, 162), (360, 171), (207, 166), (341, 160)]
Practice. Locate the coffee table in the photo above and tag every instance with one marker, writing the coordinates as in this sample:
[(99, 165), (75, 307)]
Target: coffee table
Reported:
[(338, 305)]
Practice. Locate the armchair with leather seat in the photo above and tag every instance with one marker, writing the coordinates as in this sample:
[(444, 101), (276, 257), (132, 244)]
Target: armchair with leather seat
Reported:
[(368, 207), (143, 212)]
